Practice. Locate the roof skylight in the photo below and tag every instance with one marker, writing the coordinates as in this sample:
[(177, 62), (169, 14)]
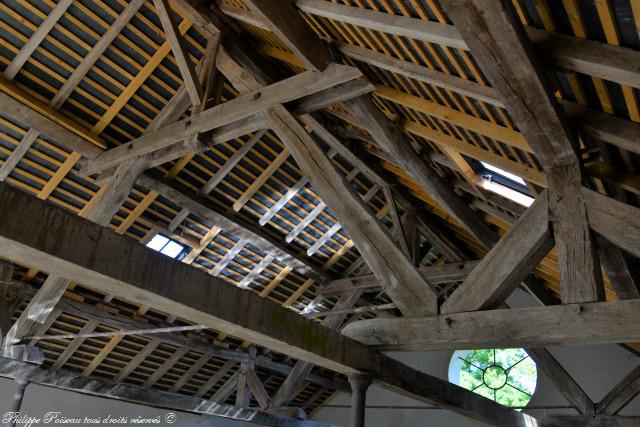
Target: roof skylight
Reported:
[(165, 246)]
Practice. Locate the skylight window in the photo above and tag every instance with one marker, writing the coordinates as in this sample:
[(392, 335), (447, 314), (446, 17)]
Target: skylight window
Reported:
[(507, 192), (505, 184), (504, 173), (166, 246)]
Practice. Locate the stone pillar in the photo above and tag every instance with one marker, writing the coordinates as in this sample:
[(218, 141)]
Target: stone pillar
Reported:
[(21, 384), (359, 385)]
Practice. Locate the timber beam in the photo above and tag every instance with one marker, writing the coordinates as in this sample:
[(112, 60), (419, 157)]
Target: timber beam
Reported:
[(43, 236), (233, 111), (65, 380), (570, 324), (499, 43)]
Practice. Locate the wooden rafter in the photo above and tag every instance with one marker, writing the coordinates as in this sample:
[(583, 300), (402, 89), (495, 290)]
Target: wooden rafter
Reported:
[(500, 45)]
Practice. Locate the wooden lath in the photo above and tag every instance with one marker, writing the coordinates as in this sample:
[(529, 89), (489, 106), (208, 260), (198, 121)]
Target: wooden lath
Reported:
[(79, 314), (48, 170)]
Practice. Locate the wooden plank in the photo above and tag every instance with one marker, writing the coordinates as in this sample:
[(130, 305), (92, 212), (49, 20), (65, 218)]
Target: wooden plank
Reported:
[(620, 395), (435, 274), (36, 39), (204, 242), (231, 111), (96, 52), (45, 123), (37, 311), (65, 380), (137, 212), (113, 193), (228, 257), (290, 28), (282, 201), (446, 141), (561, 379), (178, 219), (623, 277), (569, 324), (260, 180), (165, 367), (215, 378), (404, 283), (191, 81), (256, 271), (18, 153), (226, 390), (241, 229), (98, 358), (390, 138), (231, 163), (188, 375), (500, 45), (137, 360), (138, 80), (423, 74), (301, 370), (74, 344), (576, 54), (336, 227), (427, 31), (308, 219), (507, 263), (618, 222), (246, 16), (483, 127), (258, 390)]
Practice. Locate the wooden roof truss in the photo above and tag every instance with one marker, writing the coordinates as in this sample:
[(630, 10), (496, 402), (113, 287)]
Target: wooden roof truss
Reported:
[(332, 172)]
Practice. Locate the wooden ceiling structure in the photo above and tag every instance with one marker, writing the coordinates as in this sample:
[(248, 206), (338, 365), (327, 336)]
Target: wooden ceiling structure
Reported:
[(319, 156)]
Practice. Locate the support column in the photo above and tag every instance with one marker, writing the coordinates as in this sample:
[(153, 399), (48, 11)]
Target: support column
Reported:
[(21, 383), (359, 385)]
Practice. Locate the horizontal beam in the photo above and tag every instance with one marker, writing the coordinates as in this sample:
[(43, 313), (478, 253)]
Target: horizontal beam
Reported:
[(234, 225), (435, 274), (82, 310), (42, 122), (589, 57), (616, 221), (71, 247), (65, 380), (571, 324), (40, 235), (507, 264), (231, 111)]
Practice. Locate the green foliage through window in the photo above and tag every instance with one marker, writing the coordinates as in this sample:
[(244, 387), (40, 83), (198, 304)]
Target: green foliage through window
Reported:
[(507, 376)]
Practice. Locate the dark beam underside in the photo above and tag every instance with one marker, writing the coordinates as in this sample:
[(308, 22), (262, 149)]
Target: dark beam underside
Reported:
[(43, 236)]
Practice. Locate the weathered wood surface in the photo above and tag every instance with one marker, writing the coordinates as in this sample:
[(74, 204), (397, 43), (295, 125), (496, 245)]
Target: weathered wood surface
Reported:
[(69, 381), (507, 264), (436, 274), (187, 71), (40, 235), (289, 26), (618, 222), (571, 324), (589, 57), (238, 227), (231, 111), (506, 55), (620, 395), (561, 379), (404, 283), (390, 138)]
